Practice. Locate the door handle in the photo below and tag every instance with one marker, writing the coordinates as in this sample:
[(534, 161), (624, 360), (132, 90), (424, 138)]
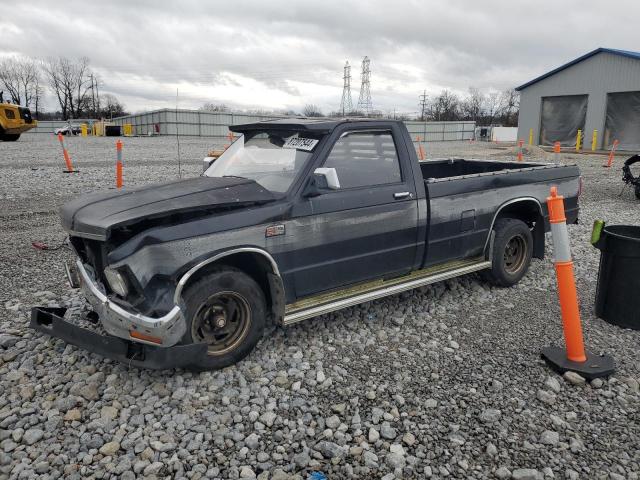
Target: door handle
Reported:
[(401, 195)]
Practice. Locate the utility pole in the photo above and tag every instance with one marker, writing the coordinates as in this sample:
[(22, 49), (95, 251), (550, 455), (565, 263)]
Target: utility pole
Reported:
[(97, 96), (423, 105), (345, 104), (93, 97), (364, 100)]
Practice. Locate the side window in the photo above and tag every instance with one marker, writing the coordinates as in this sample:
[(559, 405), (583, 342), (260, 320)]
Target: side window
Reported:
[(365, 158)]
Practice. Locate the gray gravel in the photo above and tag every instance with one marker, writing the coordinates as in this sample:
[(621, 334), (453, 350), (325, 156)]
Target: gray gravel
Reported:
[(441, 382)]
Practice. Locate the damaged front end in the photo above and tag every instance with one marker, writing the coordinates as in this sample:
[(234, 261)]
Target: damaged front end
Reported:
[(132, 338), (51, 322), (127, 274)]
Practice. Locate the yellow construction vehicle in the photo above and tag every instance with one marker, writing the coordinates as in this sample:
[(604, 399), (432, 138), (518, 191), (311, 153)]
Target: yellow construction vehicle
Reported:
[(14, 120)]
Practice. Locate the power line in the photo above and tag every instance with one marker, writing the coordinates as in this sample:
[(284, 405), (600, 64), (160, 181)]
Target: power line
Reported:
[(346, 106), (364, 100)]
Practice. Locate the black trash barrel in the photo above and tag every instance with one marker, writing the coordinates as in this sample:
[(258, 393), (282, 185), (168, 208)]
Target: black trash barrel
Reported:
[(618, 295)]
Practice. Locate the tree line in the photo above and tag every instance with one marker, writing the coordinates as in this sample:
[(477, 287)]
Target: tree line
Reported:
[(72, 83), (493, 108)]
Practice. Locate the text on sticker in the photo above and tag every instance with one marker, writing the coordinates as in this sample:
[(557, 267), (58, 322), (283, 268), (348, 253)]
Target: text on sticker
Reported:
[(298, 143)]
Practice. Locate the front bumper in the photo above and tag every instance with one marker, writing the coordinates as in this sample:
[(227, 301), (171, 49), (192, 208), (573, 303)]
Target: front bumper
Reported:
[(119, 322), (20, 128), (51, 322)]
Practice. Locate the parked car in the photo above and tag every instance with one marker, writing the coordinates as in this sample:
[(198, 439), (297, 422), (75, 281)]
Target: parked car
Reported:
[(68, 130), (297, 218)]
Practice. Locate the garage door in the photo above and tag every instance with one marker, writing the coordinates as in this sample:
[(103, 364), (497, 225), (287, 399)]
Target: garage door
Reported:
[(561, 119), (623, 120)]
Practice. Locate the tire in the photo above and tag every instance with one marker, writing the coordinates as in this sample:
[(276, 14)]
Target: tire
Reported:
[(512, 250), (227, 310), (638, 192), (10, 137)]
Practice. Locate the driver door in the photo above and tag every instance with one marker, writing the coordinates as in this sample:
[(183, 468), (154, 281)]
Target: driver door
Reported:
[(367, 228)]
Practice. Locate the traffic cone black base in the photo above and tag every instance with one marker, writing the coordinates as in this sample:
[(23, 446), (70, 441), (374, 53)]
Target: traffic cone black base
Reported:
[(596, 366)]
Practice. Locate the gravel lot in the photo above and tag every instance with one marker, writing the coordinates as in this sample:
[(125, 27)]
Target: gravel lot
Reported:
[(441, 382)]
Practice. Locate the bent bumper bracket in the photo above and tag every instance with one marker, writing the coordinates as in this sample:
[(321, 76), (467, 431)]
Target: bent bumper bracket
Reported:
[(50, 321)]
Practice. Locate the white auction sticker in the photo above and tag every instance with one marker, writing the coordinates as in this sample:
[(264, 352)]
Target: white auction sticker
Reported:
[(306, 144)]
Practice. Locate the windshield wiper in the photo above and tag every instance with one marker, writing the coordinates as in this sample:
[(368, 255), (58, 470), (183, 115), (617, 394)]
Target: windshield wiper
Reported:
[(234, 176)]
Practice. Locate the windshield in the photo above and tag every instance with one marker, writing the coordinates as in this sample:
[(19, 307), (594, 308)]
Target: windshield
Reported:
[(271, 158)]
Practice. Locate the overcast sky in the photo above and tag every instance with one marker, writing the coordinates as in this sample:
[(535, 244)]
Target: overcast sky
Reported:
[(282, 55)]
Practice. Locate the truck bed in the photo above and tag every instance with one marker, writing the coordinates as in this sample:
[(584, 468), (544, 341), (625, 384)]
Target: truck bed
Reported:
[(457, 167), (466, 195)]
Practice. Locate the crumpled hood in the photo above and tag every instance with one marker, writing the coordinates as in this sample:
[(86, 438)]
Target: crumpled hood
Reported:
[(96, 214)]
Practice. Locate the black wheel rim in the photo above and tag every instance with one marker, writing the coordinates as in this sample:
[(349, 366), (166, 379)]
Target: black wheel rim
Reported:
[(222, 322), (514, 254)]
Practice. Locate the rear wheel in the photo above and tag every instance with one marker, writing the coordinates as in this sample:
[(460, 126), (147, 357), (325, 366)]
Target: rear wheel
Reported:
[(9, 137), (225, 310), (511, 254)]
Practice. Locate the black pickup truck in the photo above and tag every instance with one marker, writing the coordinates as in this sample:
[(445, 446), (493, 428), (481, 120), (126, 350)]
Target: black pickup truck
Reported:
[(297, 218)]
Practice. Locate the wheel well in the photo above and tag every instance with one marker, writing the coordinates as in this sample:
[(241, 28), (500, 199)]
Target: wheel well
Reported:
[(529, 212), (259, 268), (526, 210)]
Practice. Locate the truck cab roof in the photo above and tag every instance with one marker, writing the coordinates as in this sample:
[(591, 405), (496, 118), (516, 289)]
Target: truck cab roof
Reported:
[(315, 125)]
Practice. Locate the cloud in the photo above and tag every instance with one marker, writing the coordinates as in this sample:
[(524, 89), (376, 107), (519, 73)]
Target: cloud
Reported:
[(278, 54)]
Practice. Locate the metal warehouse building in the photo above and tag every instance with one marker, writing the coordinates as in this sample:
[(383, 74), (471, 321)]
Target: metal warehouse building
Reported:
[(597, 91)]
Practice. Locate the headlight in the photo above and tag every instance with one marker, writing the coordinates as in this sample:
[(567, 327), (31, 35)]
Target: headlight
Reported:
[(116, 281)]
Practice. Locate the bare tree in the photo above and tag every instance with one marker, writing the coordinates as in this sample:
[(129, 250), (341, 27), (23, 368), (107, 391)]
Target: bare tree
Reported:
[(445, 107), (38, 93), (20, 77), (112, 107), (472, 106), (510, 101), (70, 83), (311, 110), (9, 77), (492, 108), (29, 77)]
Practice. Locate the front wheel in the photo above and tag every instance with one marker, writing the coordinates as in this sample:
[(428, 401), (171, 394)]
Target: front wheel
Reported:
[(226, 310), (512, 250)]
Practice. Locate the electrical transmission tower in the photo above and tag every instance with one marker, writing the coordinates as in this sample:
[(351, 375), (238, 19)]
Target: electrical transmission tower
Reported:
[(423, 105), (364, 101), (345, 104)]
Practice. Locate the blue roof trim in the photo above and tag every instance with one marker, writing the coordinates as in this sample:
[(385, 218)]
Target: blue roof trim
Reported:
[(614, 51)]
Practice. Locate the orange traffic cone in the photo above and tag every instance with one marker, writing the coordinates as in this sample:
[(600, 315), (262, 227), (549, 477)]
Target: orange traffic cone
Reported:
[(118, 164), (65, 154), (574, 358)]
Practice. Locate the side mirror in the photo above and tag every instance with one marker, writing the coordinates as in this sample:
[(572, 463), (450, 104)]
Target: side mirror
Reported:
[(323, 179), (327, 177)]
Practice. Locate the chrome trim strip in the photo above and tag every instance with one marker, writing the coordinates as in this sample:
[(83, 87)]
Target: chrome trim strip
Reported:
[(185, 278), (141, 320), (510, 202), (383, 292)]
